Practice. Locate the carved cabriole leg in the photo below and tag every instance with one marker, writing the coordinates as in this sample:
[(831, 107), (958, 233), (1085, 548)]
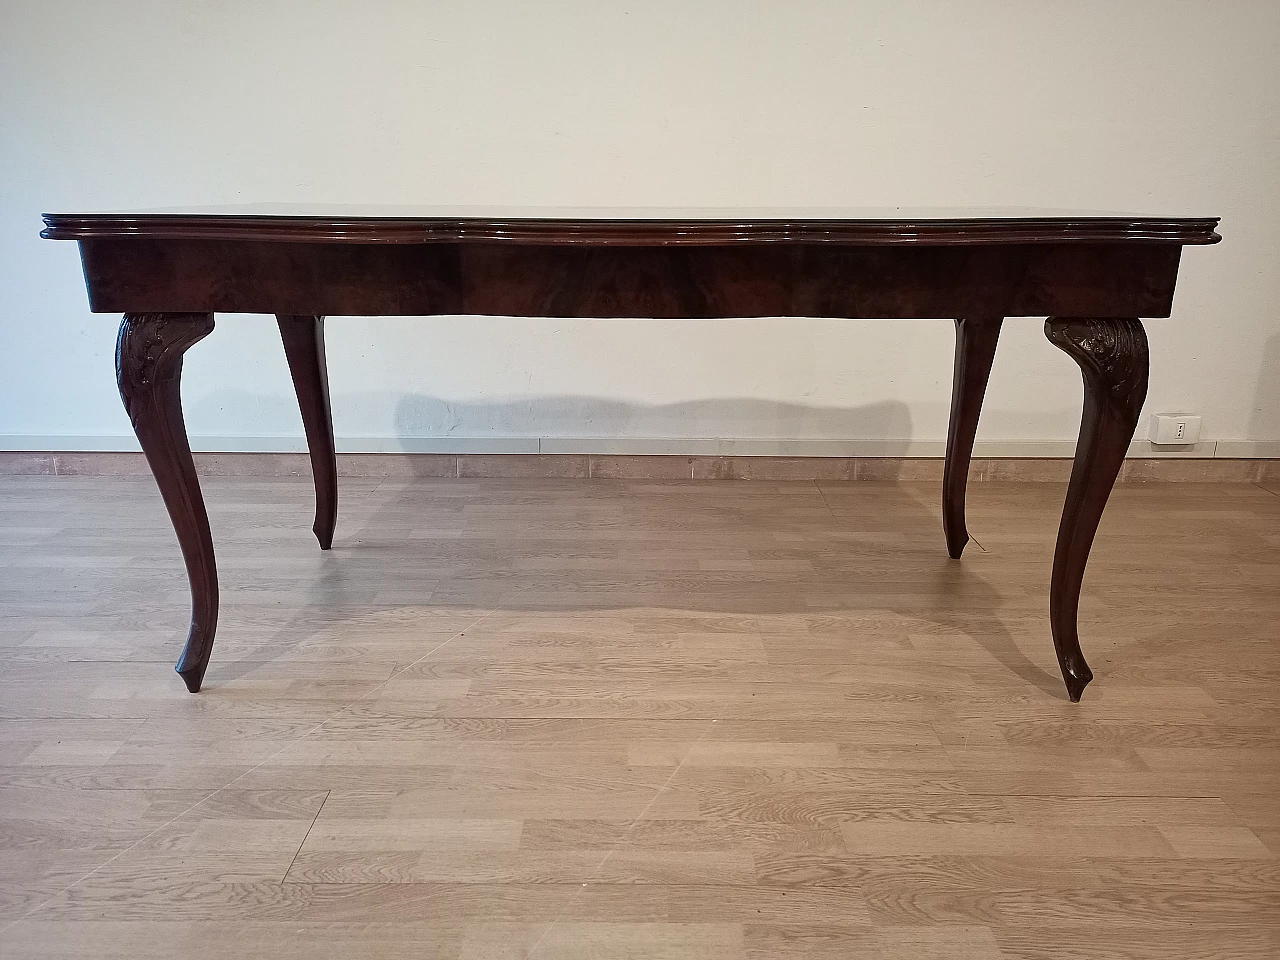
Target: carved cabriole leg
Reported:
[(149, 371), (975, 348), (303, 339), (1112, 355)]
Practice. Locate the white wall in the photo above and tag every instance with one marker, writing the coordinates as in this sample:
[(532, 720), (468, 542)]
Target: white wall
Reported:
[(1166, 107)]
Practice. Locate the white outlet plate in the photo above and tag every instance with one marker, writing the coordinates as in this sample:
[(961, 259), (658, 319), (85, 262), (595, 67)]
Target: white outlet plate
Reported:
[(1174, 428)]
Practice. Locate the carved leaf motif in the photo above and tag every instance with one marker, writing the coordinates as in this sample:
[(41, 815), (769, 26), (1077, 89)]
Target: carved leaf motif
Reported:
[(149, 349), (1113, 355)]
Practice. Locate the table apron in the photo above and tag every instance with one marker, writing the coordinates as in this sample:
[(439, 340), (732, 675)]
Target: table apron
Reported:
[(902, 281)]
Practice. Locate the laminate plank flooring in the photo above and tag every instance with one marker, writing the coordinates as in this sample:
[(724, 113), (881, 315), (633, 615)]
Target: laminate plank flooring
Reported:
[(517, 718)]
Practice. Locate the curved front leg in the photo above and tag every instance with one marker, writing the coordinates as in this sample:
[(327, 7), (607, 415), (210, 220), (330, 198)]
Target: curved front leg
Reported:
[(1113, 358), (149, 371), (975, 349), (303, 339)]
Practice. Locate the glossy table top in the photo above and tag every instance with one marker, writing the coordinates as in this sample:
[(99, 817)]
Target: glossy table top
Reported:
[(630, 226)]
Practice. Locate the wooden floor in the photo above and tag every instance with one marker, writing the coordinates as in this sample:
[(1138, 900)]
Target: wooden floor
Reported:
[(595, 719)]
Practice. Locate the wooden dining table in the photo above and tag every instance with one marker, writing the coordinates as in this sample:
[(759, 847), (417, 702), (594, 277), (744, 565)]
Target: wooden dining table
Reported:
[(1094, 276)]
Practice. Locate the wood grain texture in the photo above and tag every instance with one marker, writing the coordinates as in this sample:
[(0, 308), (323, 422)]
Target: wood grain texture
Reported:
[(303, 339), (165, 266), (149, 351), (150, 274), (1113, 359), (636, 228), (976, 340), (568, 719)]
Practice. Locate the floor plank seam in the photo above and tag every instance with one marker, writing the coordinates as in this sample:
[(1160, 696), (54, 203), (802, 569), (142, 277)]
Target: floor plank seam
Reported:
[(825, 502), (623, 841), (871, 783), (241, 776), (285, 877)]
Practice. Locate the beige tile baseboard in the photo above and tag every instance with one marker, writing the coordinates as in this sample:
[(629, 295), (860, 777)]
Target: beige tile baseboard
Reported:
[(637, 467), (862, 449)]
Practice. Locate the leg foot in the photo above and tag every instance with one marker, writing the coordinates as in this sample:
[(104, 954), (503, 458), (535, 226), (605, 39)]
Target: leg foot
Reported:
[(149, 372), (303, 339), (1077, 676), (193, 676), (1113, 359), (976, 340)]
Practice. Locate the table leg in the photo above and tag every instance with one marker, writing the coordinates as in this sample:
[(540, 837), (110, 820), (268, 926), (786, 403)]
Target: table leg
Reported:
[(1113, 358), (975, 348), (303, 339), (149, 372)]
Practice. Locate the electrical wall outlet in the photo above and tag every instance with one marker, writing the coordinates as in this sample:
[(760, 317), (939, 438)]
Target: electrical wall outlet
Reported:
[(1174, 428)]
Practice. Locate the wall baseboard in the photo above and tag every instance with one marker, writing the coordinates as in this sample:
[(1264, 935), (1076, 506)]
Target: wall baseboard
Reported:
[(637, 467), (640, 446)]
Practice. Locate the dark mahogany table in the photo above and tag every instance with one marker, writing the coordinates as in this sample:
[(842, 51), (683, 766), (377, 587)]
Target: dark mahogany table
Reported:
[(1093, 276)]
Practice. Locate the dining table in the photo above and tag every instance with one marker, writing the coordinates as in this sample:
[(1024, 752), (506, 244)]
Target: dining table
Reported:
[(1094, 276)]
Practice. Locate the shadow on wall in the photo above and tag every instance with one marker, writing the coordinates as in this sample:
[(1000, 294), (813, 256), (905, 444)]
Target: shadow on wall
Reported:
[(419, 416), (418, 419), (1265, 422)]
